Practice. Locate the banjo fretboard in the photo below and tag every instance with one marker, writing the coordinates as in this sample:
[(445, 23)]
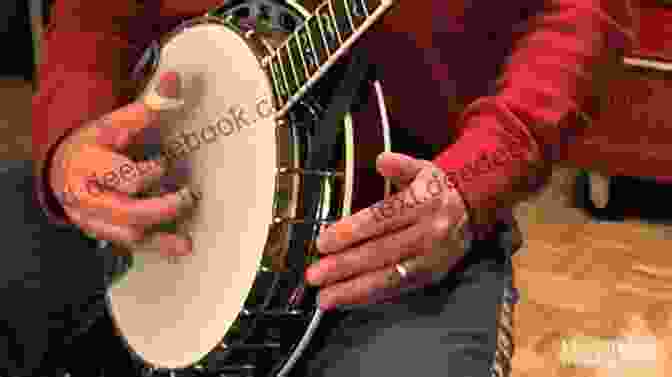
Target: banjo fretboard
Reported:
[(317, 44)]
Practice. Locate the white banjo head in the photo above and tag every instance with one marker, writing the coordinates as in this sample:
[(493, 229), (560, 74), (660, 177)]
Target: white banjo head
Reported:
[(173, 313)]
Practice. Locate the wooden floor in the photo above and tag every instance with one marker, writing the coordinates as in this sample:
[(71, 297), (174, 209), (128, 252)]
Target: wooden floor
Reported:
[(579, 277), (576, 276)]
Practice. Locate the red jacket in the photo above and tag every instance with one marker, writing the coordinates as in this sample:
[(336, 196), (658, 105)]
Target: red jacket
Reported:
[(500, 86)]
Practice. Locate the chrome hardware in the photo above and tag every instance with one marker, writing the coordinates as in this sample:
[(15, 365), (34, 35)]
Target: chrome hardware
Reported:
[(300, 171), (292, 220)]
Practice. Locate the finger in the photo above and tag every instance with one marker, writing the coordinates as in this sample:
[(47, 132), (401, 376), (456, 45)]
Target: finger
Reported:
[(67, 197), (101, 165), (400, 168), (371, 255), (424, 196), (361, 290), (396, 287), (139, 176), (166, 244), (133, 239), (118, 208), (114, 171), (395, 212), (448, 247), (429, 265), (118, 129), (120, 234)]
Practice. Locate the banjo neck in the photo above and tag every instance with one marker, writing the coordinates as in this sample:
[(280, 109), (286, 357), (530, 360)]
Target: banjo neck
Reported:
[(317, 45)]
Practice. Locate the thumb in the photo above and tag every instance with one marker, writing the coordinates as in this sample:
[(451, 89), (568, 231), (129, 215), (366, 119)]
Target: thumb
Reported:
[(401, 169), (121, 126)]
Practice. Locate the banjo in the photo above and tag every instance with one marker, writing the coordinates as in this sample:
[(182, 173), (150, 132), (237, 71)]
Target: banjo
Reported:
[(252, 138)]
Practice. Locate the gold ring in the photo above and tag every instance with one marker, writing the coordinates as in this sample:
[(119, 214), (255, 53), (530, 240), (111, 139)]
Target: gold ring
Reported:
[(402, 270)]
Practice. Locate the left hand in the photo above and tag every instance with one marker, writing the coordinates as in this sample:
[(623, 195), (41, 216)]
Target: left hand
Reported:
[(420, 228)]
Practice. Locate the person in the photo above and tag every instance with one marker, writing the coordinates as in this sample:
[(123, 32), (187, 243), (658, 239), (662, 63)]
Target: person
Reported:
[(497, 91)]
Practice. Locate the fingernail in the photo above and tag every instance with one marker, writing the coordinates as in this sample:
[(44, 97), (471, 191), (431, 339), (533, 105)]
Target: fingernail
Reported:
[(167, 93), (309, 276), (169, 85)]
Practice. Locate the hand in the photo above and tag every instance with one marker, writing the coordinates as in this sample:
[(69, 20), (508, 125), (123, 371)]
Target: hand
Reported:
[(421, 228), (94, 182)]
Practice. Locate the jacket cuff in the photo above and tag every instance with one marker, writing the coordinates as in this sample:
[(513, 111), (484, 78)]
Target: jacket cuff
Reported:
[(495, 162)]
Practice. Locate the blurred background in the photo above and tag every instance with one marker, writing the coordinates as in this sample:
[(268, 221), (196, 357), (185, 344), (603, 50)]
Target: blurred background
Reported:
[(597, 258), (16, 73), (15, 31)]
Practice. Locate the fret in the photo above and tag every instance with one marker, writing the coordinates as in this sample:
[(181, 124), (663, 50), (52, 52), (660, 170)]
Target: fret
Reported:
[(324, 39), (334, 21), (297, 78), (283, 74), (355, 12), (359, 8), (343, 18), (344, 4), (327, 29), (308, 49), (282, 82), (370, 5), (292, 81), (301, 51), (282, 98), (318, 43)]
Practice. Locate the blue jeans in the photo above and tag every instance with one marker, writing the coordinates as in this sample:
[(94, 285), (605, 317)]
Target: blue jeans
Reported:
[(52, 284)]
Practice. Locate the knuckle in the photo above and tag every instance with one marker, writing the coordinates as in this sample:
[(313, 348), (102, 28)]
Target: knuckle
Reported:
[(128, 236), (134, 235), (333, 265), (442, 226), (435, 202), (74, 217)]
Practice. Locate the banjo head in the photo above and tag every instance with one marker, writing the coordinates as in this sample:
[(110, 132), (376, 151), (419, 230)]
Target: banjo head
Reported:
[(171, 312), (239, 303)]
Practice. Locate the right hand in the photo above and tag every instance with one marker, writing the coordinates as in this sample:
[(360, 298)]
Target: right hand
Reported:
[(109, 211)]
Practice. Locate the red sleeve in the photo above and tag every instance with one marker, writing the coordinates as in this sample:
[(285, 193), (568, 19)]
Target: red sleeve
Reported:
[(508, 141), (89, 50)]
